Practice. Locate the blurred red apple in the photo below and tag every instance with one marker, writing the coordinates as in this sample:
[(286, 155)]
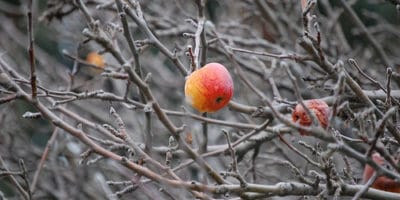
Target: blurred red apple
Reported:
[(318, 107), (382, 182)]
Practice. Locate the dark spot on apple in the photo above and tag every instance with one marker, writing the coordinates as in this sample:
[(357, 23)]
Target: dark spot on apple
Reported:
[(219, 99)]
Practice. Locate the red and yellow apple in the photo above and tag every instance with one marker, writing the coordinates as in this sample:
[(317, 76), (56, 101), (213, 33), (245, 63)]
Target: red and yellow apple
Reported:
[(209, 88), (318, 107), (382, 182)]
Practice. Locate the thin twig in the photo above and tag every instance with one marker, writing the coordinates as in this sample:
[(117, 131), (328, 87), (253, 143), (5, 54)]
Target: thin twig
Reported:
[(204, 143), (138, 18), (234, 165), (199, 35), (31, 50), (375, 44), (366, 186), (277, 56), (21, 189), (25, 177), (43, 158)]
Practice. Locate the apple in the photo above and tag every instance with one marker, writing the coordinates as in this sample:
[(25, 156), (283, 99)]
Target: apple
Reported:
[(318, 107), (96, 59), (209, 88), (382, 182)]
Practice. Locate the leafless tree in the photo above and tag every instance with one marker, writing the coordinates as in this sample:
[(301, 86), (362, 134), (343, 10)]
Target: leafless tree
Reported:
[(71, 129)]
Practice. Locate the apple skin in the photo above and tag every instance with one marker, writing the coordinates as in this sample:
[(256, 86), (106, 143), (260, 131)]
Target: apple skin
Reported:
[(209, 88), (97, 60), (382, 182), (318, 107)]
